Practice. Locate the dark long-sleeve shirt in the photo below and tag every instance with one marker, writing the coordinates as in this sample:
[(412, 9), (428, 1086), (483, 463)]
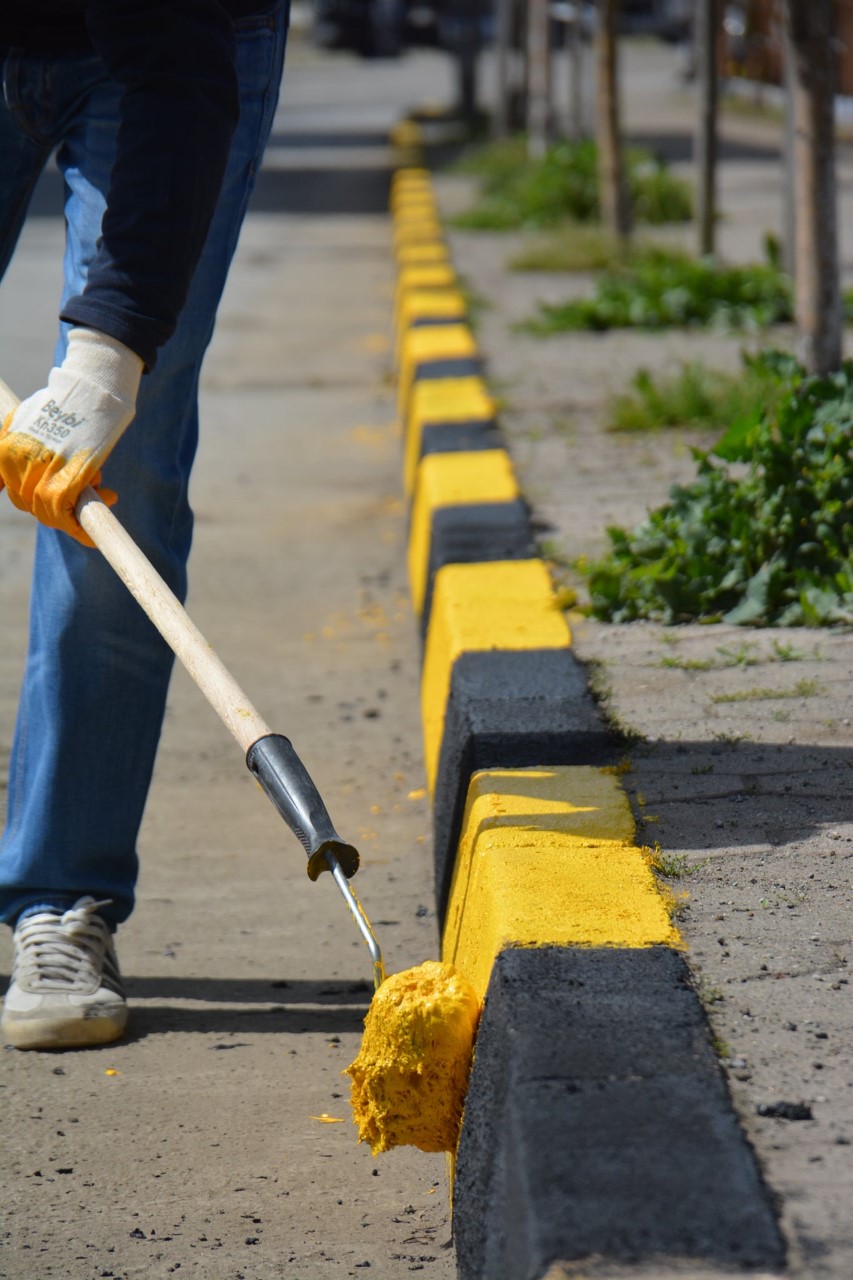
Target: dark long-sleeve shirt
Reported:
[(175, 61)]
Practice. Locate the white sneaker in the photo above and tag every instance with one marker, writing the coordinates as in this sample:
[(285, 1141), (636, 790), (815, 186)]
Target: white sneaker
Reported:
[(66, 989)]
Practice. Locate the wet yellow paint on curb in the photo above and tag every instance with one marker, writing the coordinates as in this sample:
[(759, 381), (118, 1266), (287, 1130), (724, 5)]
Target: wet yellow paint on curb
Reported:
[(447, 480), (502, 604), (547, 858)]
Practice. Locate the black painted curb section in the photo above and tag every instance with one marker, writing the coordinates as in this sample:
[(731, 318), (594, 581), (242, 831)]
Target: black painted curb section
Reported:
[(434, 322), (464, 436), (476, 533), (598, 1123), (509, 709), (447, 367)]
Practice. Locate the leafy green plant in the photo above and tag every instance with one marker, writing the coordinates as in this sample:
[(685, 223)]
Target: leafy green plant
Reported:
[(764, 534), (660, 289), (519, 192)]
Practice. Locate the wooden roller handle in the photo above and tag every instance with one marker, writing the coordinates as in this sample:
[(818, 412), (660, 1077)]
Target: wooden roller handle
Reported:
[(164, 609)]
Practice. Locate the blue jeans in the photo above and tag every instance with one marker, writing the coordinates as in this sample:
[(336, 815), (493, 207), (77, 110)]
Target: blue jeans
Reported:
[(97, 672)]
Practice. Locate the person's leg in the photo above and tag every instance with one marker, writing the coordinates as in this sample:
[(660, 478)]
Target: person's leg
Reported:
[(23, 154), (97, 672)]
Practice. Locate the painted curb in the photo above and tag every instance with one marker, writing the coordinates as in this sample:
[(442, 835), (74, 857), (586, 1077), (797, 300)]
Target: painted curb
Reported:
[(598, 1135), (607, 1131)]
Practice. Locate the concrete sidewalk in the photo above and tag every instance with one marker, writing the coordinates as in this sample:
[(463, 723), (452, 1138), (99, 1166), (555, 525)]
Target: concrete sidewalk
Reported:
[(216, 1141)]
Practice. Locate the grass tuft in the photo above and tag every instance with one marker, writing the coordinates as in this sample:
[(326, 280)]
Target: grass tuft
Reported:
[(517, 192), (695, 396)]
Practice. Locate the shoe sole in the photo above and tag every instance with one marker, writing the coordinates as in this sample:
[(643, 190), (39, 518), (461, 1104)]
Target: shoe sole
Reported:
[(48, 1033)]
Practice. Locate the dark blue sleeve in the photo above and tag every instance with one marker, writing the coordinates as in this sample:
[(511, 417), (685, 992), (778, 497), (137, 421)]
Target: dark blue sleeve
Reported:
[(175, 61)]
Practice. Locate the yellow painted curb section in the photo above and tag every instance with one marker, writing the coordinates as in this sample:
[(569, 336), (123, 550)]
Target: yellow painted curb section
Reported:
[(416, 230), (431, 304), (434, 342), (424, 253), (449, 480), (547, 858), (430, 276), (441, 400), (502, 604), (413, 208), (410, 176), (444, 305)]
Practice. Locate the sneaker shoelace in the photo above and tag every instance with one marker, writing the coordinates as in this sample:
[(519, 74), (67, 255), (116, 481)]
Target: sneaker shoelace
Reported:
[(66, 952)]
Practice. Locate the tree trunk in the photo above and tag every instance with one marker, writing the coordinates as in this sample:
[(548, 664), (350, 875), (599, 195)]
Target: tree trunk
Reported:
[(503, 60), (612, 187), (705, 37), (466, 39), (788, 234), (818, 297), (574, 39), (538, 78)]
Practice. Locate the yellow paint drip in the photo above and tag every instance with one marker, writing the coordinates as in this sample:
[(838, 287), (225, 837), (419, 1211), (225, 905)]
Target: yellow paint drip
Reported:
[(411, 1074)]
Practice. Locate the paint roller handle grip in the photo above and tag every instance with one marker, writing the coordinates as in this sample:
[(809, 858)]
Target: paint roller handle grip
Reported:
[(283, 776)]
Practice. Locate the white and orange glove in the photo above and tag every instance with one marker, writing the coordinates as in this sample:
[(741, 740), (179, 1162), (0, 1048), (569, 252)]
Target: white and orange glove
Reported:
[(54, 444)]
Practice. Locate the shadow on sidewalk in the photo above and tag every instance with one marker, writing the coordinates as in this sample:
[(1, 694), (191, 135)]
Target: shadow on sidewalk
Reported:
[(288, 1008), (737, 793), (678, 148)]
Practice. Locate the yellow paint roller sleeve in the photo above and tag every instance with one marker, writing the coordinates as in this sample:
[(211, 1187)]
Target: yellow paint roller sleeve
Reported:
[(452, 479), (503, 604), (547, 858)]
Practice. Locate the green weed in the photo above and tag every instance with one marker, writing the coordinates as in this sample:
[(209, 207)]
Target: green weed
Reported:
[(745, 655), (787, 652), (661, 289), (764, 534), (674, 866), (695, 396), (802, 689), (688, 664)]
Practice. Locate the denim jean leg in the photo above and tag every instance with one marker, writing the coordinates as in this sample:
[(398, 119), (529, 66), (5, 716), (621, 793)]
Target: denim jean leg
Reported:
[(23, 155), (97, 672)]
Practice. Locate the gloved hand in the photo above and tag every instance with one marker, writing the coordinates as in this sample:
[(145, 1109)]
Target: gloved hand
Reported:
[(55, 442)]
